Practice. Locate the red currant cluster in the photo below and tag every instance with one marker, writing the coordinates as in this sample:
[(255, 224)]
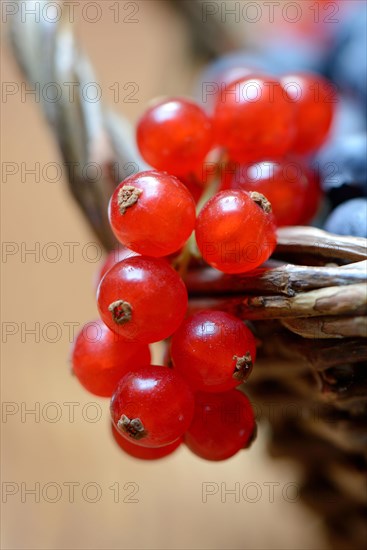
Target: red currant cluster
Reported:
[(142, 297)]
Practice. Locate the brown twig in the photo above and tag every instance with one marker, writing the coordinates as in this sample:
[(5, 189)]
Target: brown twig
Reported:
[(309, 240), (328, 327), (273, 278), (334, 300), (320, 355)]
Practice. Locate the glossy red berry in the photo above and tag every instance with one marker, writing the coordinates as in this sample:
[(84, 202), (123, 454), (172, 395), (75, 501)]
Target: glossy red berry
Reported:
[(233, 74), (313, 198), (142, 299), (152, 406), (144, 453), (254, 119), (235, 231), (114, 257), (193, 185), (152, 213), (284, 183), (314, 99), (223, 424), (174, 135), (100, 358), (214, 351)]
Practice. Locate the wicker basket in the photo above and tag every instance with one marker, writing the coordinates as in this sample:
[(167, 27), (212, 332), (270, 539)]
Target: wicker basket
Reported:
[(311, 380), (308, 310), (321, 371)]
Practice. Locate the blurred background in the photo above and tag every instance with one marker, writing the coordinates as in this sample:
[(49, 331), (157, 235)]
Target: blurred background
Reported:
[(65, 483)]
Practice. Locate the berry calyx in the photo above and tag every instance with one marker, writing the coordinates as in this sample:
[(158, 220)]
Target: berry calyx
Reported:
[(121, 311), (243, 367), (132, 426), (127, 196), (261, 201)]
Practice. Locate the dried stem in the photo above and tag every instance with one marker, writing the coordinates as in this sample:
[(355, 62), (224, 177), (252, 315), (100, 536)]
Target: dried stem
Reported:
[(283, 279), (321, 355), (328, 327), (334, 300), (309, 240)]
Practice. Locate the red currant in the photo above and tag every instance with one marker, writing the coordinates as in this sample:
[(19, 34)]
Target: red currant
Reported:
[(193, 184), (153, 406), (152, 213), (174, 135), (314, 99), (142, 299), (233, 74), (235, 231), (313, 198), (284, 183), (223, 424), (213, 350), (114, 257), (144, 453), (100, 358), (254, 119)]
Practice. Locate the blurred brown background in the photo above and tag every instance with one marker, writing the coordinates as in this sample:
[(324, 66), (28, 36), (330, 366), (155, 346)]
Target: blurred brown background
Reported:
[(66, 443)]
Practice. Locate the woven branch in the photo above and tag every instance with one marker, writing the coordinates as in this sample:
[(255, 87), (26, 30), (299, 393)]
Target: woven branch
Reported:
[(309, 240), (328, 327), (86, 132), (319, 355), (285, 279), (346, 300), (326, 301)]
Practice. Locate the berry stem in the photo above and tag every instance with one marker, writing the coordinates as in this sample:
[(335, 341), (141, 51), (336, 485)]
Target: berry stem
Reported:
[(190, 249)]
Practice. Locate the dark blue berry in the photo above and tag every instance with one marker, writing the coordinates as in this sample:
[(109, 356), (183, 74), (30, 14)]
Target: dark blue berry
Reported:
[(343, 167), (349, 218), (347, 64)]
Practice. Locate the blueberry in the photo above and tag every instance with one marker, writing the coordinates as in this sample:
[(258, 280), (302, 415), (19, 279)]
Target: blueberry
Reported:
[(343, 167), (347, 64), (287, 55), (349, 218), (281, 58), (349, 118)]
